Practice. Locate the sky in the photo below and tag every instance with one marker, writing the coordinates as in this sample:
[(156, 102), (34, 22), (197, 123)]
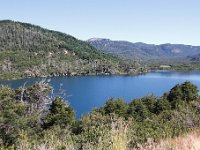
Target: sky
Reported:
[(149, 21)]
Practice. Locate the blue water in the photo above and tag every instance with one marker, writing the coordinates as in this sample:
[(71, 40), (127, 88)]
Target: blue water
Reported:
[(86, 92)]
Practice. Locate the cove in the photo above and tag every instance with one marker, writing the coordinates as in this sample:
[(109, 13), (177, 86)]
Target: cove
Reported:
[(87, 92)]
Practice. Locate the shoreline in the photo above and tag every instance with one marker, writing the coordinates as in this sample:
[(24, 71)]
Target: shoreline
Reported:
[(103, 74), (74, 75)]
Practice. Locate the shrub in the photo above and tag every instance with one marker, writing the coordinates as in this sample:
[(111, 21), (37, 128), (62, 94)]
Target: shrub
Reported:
[(60, 114)]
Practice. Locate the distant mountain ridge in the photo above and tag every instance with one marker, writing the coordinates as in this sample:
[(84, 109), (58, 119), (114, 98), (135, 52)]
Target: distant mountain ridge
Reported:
[(143, 51)]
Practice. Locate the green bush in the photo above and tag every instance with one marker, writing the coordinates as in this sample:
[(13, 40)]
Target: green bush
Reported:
[(118, 107), (60, 114), (27, 122)]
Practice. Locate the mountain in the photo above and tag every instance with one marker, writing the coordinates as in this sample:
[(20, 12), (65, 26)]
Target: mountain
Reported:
[(28, 50), (142, 51), (195, 58)]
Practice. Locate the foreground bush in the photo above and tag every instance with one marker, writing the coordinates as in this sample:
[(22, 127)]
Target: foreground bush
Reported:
[(30, 119)]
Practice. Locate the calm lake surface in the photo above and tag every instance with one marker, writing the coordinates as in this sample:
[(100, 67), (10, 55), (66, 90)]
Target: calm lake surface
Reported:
[(86, 92)]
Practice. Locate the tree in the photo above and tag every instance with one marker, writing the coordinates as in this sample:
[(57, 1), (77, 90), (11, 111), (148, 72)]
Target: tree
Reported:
[(189, 91), (183, 93), (35, 96), (117, 107), (150, 103), (162, 105), (138, 110), (14, 118), (60, 114), (175, 93)]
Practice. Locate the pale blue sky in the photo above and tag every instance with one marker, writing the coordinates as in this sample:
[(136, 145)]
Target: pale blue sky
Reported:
[(150, 21)]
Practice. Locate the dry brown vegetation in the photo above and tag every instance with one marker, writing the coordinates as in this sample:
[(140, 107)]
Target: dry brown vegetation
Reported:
[(189, 141)]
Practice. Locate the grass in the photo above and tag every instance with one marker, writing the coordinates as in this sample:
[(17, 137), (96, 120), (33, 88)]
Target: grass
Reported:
[(189, 141)]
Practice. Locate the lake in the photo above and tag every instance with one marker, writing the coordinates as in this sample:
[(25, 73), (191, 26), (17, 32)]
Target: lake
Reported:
[(86, 92)]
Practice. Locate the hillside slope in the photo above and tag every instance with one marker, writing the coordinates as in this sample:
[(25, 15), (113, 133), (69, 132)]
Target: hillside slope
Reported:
[(29, 51), (144, 51)]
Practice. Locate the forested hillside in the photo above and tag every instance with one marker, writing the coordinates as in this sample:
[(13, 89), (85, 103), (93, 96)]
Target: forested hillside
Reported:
[(29, 51)]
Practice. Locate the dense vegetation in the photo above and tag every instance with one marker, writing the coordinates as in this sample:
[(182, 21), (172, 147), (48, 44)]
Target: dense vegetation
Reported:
[(31, 119), (29, 51)]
